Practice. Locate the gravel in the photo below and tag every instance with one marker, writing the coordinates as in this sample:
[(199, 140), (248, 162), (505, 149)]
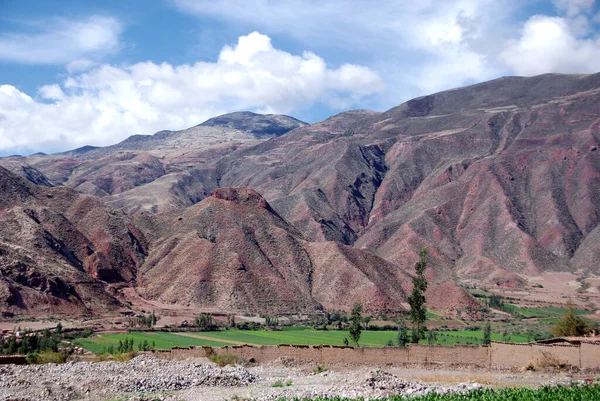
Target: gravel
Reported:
[(86, 380), (148, 378)]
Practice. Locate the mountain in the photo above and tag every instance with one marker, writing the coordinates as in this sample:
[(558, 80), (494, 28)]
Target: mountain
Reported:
[(500, 181), (233, 252), (61, 251), (496, 180), (173, 162)]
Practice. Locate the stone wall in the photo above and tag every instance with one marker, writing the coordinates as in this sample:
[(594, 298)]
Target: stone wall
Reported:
[(497, 354), (589, 355), (458, 354), (520, 355)]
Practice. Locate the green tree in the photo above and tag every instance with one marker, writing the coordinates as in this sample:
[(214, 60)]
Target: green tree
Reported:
[(402, 334), (487, 334), (231, 320), (416, 300), (271, 321), (204, 322), (431, 337), (355, 322), (571, 324)]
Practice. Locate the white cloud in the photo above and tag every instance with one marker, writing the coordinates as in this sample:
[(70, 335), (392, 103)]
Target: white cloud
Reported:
[(419, 46), (106, 104), (551, 44), (573, 8), (62, 41)]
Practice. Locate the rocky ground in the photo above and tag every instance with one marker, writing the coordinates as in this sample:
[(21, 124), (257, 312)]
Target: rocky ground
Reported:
[(148, 378)]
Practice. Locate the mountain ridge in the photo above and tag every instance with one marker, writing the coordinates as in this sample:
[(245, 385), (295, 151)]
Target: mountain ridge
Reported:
[(500, 181)]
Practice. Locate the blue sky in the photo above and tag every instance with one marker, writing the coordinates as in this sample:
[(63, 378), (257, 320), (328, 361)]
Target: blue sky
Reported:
[(95, 72)]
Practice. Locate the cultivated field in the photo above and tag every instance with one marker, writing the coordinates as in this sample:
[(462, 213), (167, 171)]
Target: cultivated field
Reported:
[(162, 340), (100, 344)]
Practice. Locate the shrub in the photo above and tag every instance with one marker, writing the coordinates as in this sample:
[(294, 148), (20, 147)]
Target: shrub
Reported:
[(278, 383), (570, 324), (45, 357), (124, 356), (33, 357), (320, 369), (225, 359)]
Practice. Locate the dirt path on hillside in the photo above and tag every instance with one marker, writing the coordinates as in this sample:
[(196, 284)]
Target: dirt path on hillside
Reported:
[(232, 342)]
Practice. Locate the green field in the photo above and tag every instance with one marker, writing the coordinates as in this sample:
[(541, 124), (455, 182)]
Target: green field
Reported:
[(473, 337), (263, 337), (306, 336), (544, 312), (577, 393), (100, 343), (333, 337)]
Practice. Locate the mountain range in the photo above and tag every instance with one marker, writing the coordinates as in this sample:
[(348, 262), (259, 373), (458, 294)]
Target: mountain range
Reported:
[(499, 181)]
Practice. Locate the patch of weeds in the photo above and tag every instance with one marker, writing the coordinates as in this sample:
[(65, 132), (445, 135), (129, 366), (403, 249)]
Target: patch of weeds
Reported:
[(225, 359), (124, 356), (320, 369), (278, 383), (45, 357), (289, 383)]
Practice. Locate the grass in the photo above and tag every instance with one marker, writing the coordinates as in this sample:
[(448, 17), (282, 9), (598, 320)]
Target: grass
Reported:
[(267, 337), (432, 316), (100, 343), (306, 336), (333, 337), (544, 312), (225, 359), (473, 337)]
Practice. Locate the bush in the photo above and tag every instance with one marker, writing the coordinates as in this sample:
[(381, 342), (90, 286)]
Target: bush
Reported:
[(320, 369), (124, 356), (278, 383), (45, 357), (33, 357), (570, 324), (225, 359)]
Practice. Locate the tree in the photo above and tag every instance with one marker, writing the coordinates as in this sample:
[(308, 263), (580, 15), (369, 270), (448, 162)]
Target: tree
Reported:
[(204, 322), (416, 300), (231, 320), (431, 337), (571, 324), (355, 322), (402, 334), (487, 334), (271, 321)]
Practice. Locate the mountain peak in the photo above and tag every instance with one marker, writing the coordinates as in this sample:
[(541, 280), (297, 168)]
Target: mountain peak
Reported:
[(260, 125)]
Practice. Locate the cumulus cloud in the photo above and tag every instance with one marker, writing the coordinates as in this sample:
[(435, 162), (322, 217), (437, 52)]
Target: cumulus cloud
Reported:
[(427, 46), (108, 103), (552, 44), (62, 41), (421, 46)]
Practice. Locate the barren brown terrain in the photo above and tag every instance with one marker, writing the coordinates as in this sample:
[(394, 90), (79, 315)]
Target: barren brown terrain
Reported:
[(500, 181)]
